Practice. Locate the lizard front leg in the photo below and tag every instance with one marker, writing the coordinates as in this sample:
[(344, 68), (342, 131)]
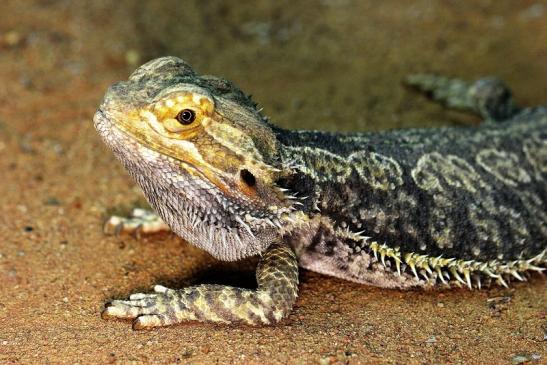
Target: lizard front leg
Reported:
[(277, 278)]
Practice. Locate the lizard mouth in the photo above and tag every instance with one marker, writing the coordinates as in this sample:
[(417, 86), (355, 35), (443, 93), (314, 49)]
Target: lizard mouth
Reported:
[(103, 123), (183, 157)]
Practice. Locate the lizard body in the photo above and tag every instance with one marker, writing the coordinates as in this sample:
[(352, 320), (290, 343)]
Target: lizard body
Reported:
[(396, 209)]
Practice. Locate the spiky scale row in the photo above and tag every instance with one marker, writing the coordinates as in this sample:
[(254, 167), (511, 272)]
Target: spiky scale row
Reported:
[(451, 270)]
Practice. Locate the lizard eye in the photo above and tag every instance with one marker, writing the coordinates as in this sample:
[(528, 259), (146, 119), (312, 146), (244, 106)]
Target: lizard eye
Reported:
[(186, 116)]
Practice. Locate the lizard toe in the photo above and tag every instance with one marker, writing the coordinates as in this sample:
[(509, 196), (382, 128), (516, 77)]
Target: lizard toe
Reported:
[(129, 309), (150, 321)]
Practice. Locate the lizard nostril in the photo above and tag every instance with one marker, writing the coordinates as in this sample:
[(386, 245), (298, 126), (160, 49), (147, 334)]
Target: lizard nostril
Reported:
[(247, 177)]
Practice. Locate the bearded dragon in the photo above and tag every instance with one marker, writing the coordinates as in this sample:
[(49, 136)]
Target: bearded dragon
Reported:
[(399, 209)]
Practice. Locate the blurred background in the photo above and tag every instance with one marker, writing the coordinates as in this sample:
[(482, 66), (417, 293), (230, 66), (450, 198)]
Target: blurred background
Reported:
[(327, 64)]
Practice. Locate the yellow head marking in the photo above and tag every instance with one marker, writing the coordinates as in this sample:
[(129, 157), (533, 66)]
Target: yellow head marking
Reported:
[(180, 116), (212, 138)]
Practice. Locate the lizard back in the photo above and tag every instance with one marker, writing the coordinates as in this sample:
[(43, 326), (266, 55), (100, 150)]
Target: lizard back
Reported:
[(475, 196), (471, 193)]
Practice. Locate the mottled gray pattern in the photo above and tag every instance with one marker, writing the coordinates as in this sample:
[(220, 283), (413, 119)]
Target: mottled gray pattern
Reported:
[(470, 193)]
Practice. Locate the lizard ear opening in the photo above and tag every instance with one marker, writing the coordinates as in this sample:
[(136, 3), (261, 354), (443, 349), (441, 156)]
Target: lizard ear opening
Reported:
[(247, 177)]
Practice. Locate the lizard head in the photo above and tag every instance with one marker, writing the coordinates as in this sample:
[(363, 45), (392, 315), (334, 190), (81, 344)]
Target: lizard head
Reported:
[(205, 158)]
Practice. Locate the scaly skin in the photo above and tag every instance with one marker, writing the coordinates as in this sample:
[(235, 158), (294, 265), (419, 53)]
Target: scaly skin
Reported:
[(277, 278), (398, 209)]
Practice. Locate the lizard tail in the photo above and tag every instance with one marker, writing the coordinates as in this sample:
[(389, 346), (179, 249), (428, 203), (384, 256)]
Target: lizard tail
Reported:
[(488, 97)]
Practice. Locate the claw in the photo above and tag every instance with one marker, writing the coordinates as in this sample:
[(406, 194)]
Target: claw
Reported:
[(138, 231), (146, 322), (161, 289), (137, 296), (118, 229)]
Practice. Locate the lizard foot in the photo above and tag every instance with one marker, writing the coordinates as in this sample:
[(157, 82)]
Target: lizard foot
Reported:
[(140, 221), (277, 278), (147, 310)]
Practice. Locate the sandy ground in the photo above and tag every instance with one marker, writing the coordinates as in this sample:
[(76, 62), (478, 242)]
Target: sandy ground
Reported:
[(331, 64)]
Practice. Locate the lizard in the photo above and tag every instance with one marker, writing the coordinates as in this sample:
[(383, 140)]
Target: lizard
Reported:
[(400, 209)]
